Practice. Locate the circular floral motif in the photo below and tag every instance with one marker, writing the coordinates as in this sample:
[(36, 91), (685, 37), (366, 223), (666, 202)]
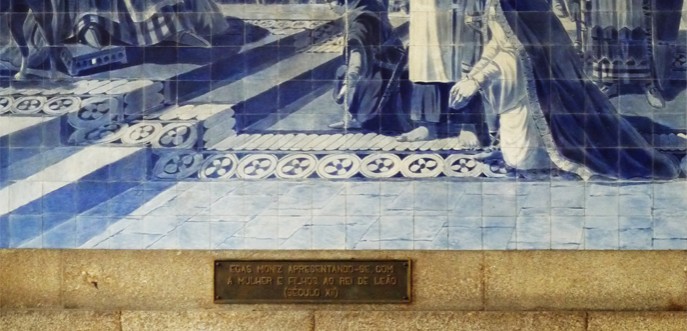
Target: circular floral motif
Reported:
[(338, 166), (422, 165), (142, 133), (177, 165), (106, 133), (177, 135), (62, 105), (380, 165), (6, 104), (296, 166), (28, 105), (459, 165), (95, 112), (495, 168), (218, 166), (257, 166)]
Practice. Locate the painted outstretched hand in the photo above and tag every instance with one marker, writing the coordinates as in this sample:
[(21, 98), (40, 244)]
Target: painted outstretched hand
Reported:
[(461, 93)]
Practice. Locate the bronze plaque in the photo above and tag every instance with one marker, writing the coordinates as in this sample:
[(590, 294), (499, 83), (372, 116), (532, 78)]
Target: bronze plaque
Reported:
[(312, 281)]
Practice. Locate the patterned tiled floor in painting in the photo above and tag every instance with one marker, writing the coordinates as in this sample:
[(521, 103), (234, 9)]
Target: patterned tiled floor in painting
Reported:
[(199, 155), (435, 215)]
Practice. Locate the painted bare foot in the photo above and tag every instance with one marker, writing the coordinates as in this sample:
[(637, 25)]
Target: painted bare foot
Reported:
[(345, 124), (20, 75), (419, 134), (468, 139)]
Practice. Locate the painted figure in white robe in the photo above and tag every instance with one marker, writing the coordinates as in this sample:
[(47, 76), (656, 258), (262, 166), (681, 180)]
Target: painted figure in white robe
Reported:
[(632, 41), (551, 115), (443, 46)]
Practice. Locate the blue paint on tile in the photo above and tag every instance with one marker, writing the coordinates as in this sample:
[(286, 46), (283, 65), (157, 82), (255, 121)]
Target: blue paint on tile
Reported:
[(497, 238), (601, 239), (635, 222), (401, 244), (61, 236), (360, 230), (533, 198), (668, 227), (670, 244), (602, 200), (432, 196), (439, 242), (23, 228), (498, 232), (636, 200), (131, 241), (499, 200), (4, 231), (335, 206), (301, 239), (568, 195), (194, 234), (533, 232), (363, 205), (395, 228), (27, 161), (265, 75), (428, 228), (221, 231), (88, 227), (567, 232), (635, 239)]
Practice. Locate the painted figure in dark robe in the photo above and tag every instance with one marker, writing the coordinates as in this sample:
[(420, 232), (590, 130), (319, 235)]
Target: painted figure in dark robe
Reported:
[(130, 22), (371, 81), (551, 114), (632, 42)]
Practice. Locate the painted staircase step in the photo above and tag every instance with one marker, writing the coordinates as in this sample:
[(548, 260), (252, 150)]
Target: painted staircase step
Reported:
[(331, 142)]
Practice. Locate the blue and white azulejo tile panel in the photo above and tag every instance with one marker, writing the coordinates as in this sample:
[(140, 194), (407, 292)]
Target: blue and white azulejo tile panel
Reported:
[(345, 125)]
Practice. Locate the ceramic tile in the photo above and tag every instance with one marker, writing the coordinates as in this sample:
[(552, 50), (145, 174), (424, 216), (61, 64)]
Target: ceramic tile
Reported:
[(250, 125)]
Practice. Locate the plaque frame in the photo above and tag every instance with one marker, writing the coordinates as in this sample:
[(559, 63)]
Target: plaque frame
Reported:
[(402, 290)]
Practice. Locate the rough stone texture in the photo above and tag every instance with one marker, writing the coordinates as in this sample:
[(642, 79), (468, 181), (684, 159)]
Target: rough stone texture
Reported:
[(450, 321), (442, 280), (59, 320), (664, 321), (306, 320), (29, 278), (217, 320), (447, 281), (541, 280), (136, 279)]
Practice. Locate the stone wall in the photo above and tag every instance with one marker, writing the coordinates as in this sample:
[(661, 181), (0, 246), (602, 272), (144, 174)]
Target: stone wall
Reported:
[(458, 290)]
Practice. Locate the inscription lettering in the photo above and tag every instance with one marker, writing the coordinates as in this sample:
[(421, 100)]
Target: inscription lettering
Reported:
[(385, 280), (345, 280), (269, 269), (240, 268), (301, 292), (313, 281), (254, 280), (302, 281)]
